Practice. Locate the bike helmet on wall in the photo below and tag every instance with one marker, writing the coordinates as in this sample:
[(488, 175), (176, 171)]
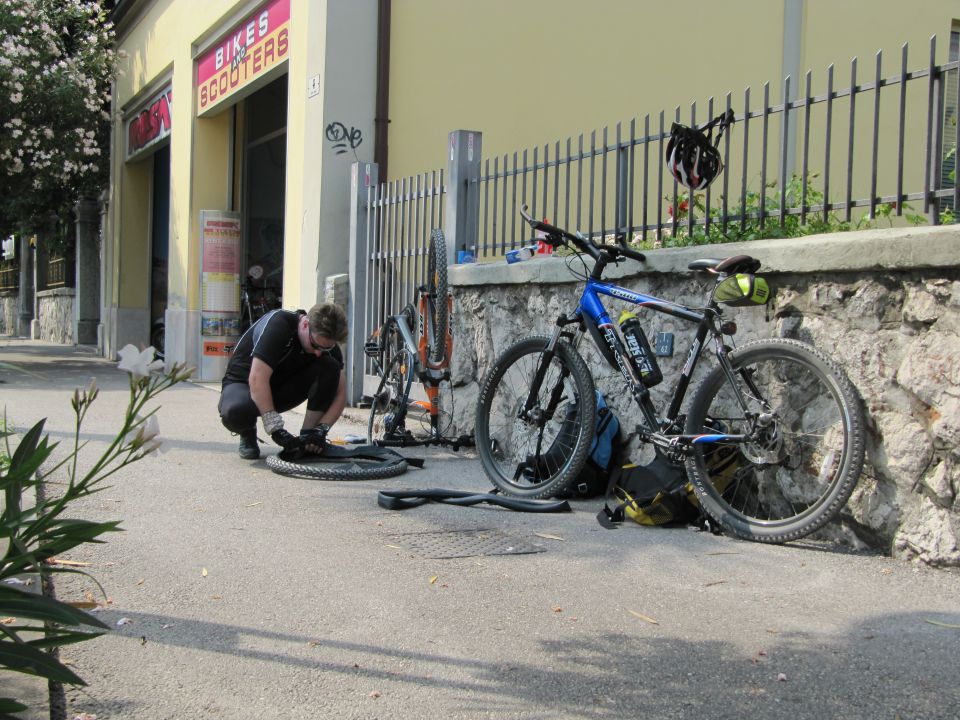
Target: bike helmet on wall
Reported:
[(692, 154)]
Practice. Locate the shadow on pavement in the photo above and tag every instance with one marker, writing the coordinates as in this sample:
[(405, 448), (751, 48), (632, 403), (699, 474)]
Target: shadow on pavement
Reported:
[(642, 672)]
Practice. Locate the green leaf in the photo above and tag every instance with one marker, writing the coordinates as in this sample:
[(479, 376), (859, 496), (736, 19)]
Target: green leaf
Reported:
[(67, 534), (37, 607), (29, 456), (9, 705), (24, 658), (29, 443), (57, 539), (56, 638)]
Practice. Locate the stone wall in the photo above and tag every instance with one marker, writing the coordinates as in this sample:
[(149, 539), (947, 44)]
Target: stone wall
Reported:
[(55, 315), (9, 316), (884, 304)]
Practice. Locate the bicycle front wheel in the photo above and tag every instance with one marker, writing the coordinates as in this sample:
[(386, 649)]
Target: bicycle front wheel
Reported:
[(539, 452), (805, 421), (437, 295), (388, 409)]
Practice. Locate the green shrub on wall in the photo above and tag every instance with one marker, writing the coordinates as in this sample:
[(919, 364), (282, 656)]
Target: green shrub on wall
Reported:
[(753, 229)]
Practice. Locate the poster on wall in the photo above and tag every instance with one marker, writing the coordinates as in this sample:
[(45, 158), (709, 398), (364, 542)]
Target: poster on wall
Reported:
[(220, 240)]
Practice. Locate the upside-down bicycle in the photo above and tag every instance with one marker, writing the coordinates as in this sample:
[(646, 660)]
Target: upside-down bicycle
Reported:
[(789, 412), (399, 359)]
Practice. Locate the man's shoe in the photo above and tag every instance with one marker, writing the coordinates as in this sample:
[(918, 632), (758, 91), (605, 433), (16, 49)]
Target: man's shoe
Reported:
[(249, 449)]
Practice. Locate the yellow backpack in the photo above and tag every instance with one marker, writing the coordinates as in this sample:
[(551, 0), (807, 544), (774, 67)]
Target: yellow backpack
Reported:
[(659, 493)]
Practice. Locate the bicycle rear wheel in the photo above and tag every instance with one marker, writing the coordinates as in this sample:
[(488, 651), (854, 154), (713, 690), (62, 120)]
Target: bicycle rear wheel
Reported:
[(386, 423), (804, 462), (539, 453), (437, 295)]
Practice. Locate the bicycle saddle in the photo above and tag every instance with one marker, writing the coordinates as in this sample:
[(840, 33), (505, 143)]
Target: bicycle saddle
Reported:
[(734, 264)]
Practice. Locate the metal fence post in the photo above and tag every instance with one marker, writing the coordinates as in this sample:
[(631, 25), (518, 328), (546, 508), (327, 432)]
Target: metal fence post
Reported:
[(363, 179), (462, 221)]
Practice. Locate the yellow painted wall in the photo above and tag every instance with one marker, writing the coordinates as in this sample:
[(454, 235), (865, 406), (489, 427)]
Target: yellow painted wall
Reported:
[(531, 72), (537, 71), (132, 261), (155, 46)]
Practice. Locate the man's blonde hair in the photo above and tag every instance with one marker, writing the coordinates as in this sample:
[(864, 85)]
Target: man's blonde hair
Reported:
[(329, 321)]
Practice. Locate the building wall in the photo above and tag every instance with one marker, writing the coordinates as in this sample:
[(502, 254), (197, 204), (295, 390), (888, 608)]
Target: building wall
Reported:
[(331, 74), (543, 70)]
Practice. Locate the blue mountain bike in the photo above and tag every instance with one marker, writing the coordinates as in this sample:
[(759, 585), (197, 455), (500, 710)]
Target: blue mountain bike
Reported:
[(786, 419)]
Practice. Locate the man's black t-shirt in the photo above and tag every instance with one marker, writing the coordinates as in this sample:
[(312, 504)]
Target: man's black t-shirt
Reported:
[(274, 339)]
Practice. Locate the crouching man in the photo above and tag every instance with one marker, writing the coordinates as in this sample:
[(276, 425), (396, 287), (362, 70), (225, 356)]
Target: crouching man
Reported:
[(283, 359)]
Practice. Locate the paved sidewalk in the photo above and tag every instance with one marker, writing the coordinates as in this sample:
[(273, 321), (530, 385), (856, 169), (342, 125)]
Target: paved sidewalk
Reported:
[(249, 594)]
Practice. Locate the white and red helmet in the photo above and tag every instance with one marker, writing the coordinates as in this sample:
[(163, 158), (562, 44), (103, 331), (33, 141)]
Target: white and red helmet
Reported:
[(692, 156)]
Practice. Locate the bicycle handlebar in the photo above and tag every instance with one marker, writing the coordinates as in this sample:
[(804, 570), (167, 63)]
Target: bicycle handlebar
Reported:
[(558, 235)]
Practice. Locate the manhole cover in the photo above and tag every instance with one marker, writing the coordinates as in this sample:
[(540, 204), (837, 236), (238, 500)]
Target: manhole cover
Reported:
[(465, 543)]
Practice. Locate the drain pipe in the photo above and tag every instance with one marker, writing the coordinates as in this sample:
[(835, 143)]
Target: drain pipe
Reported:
[(382, 111)]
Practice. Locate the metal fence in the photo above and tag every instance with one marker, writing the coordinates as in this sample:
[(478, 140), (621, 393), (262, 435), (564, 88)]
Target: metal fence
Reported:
[(613, 183), (796, 166), (59, 273), (9, 278), (400, 217)]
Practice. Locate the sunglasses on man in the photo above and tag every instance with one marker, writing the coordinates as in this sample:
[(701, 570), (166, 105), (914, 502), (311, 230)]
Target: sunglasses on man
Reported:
[(317, 346)]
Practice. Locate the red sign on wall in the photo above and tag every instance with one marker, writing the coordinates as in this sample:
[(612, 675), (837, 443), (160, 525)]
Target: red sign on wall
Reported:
[(247, 52), (151, 124)]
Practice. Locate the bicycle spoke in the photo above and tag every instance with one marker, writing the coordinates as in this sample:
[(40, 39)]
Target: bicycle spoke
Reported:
[(531, 452), (803, 450)]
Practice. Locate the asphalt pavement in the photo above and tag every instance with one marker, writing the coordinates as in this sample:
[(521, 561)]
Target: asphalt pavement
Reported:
[(235, 592)]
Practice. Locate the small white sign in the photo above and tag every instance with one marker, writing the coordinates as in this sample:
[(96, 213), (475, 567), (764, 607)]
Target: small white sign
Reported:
[(9, 248), (314, 87)]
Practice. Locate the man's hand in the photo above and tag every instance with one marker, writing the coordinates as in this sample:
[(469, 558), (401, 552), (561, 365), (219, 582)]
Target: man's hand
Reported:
[(314, 439), (285, 440)]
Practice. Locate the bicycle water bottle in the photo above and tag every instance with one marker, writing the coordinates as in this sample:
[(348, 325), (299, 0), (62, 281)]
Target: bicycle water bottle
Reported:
[(638, 348)]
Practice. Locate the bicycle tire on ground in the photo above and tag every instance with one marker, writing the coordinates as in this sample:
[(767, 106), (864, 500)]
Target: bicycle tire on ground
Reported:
[(393, 391), (799, 476), (504, 441), (347, 469), (437, 295)]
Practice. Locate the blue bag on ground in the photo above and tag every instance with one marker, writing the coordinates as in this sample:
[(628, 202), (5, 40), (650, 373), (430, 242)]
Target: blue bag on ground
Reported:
[(604, 452)]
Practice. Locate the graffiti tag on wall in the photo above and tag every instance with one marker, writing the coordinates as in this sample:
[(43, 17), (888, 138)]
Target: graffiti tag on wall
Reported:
[(344, 139)]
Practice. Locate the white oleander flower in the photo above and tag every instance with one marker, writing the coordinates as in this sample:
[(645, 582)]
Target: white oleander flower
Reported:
[(138, 364), (146, 439)]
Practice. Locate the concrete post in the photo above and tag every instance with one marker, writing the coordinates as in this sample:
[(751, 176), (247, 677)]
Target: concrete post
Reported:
[(25, 298), (363, 183), (462, 220), (86, 302)]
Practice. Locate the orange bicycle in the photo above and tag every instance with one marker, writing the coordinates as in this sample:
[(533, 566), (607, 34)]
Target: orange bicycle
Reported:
[(400, 358)]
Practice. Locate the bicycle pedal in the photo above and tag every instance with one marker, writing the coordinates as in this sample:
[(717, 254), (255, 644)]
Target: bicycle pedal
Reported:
[(371, 348)]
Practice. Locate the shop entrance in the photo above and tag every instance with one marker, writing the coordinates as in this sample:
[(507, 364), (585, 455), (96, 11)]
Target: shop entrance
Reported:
[(265, 172), (159, 245)]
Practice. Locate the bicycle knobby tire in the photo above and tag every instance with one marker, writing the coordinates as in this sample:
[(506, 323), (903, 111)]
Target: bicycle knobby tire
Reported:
[(437, 295), (808, 454), (339, 469), (523, 457)]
